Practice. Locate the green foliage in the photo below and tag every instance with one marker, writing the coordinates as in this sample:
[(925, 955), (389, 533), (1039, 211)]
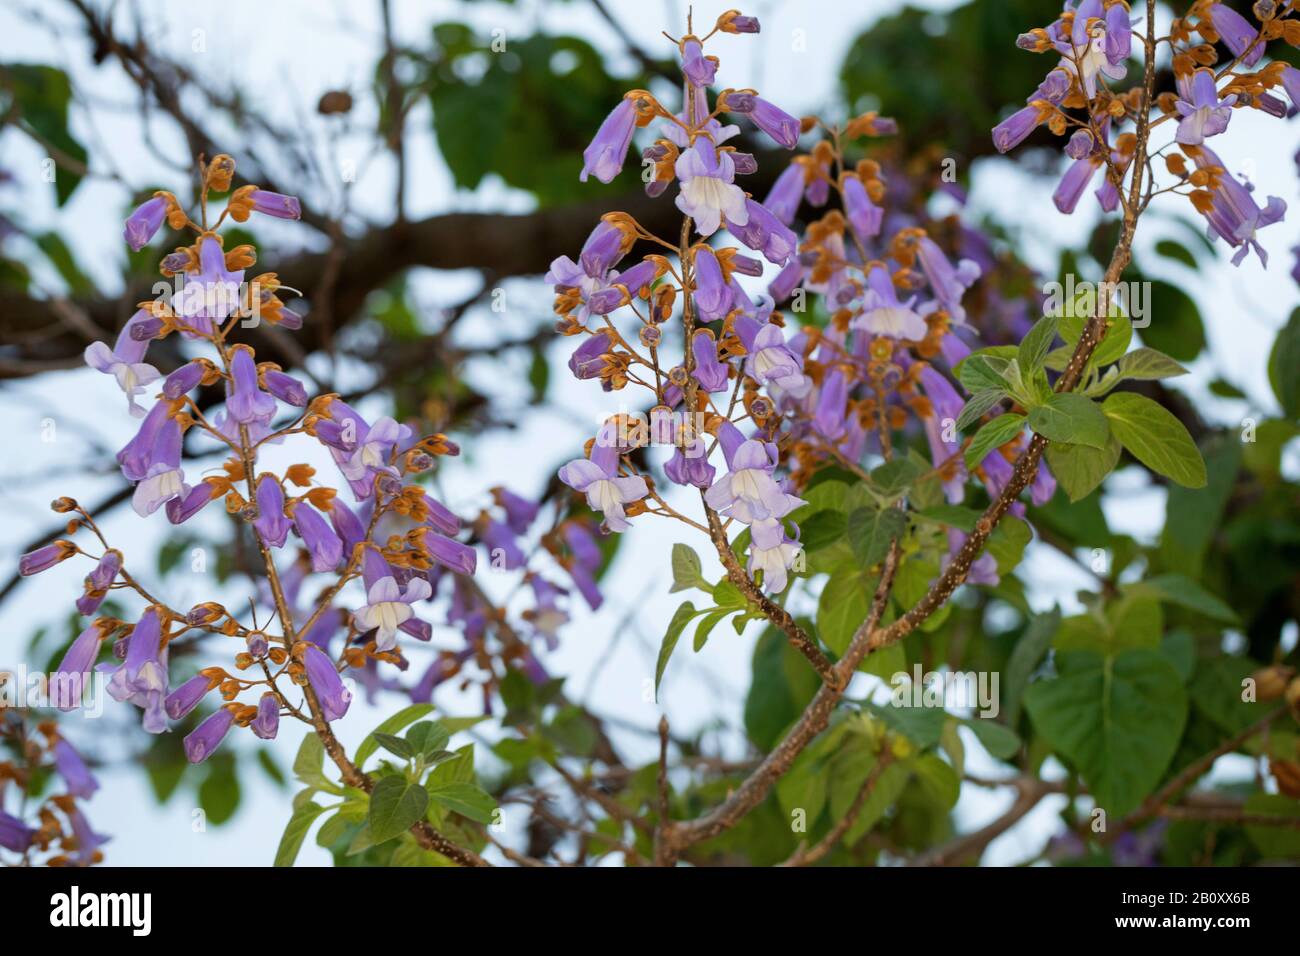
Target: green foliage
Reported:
[(1155, 437), (38, 96)]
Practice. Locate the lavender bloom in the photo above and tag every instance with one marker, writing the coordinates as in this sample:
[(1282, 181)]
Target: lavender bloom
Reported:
[(586, 562), (773, 552), (946, 406), (246, 401), (771, 362), (267, 722), (186, 697), (322, 543), (324, 678), (708, 371), (1237, 33), (275, 204), (142, 677), (450, 553), (162, 478), (76, 775), (272, 525), (520, 512), (699, 69), (623, 287), (285, 387), (1233, 214), (372, 451), (1203, 113), (708, 191), (183, 380), (15, 835), (98, 582), (690, 465), (588, 359), (772, 120), (388, 606), (1291, 83), (782, 287), (1015, 129), (183, 508), (46, 557), (134, 455), (712, 294), (864, 215), (210, 296), (604, 248), (599, 480), (1080, 144), (143, 224), (500, 541), (762, 231), (131, 376), (346, 524), (443, 519), (949, 284), (1043, 486), (786, 194), (204, 740), (69, 677), (604, 157), (748, 492), (87, 840), (1076, 179), (828, 415), (1095, 47), (883, 314)]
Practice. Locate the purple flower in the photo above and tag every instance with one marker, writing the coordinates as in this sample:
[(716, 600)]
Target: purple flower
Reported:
[(599, 480), (275, 204), (748, 492), (203, 741), (322, 543), (272, 525), (183, 380), (87, 840), (162, 478), (773, 552), (588, 359), (708, 371), (15, 835), (520, 512), (131, 374), (443, 519), (210, 296), (864, 215), (245, 400), (772, 120), (372, 451), (949, 284), (142, 677), (503, 551), (143, 224), (1092, 43), (1237, 33), (946, 406), (186, 697), (622, 287), (324, 679), (883, 314), (99, 580), (828, 414), (782, 287), (1015, 129), (285, 387), (708, 191), (1076, 179), (80, 781), (1291, 83), (586, 561), (1233, 214), (699, 69), (46, 557), (183, 508), (690, 465), (346, 524), (267, 722), (762, 231), (450, 553), (786, 194), (604, 157), (69, 677), (1203, 113), (712, 294), (771, 362), (387, 606)]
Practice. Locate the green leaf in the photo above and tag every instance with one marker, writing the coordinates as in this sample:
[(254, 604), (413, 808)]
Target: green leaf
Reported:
[(394, 745), (999, 740), (1175, 322), (1176, 251), (392, 725), (1146, 364), (1155, 437), (1008, 541), (295, 832), (1028, 653), (1183, 591), (40, 95), (1194, 516), (980, 404), (1275, 842), (978, 372), (309, 764), (707, 624), (842, 607), (1035, 346), (1070, 418), (681, 618), (396, 804), (687, 571), (427, 738), (1080, 469), (467, 799), (1118, 720), (871, 530), (894, 477), (781, 687), (993, 435), (219, 793), (1283, 361)]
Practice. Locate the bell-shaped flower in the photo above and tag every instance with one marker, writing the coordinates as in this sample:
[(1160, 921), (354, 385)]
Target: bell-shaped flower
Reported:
[(762, 231), (163, 477), (142, 677), (267, 722), (773, 552), (125, 362), (143, 224), (883, 314), (69, 678), (599, 480), (325, 682), (708, 190), (209, 296), (771, 362), (1203, 113), (272, 525), (98, 581), (604, 157), (712, 294), (1236, 33), (323, 545), (709, 371), (69, 765), (949, 284), (772, 120), (203, 741)]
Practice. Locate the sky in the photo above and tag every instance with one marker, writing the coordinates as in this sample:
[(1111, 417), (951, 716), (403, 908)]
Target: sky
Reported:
[(299, 49)]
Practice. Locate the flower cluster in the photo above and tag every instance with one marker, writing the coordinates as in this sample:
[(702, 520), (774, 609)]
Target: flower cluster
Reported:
[(373, 545), (755, 404), (1094, 39)]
